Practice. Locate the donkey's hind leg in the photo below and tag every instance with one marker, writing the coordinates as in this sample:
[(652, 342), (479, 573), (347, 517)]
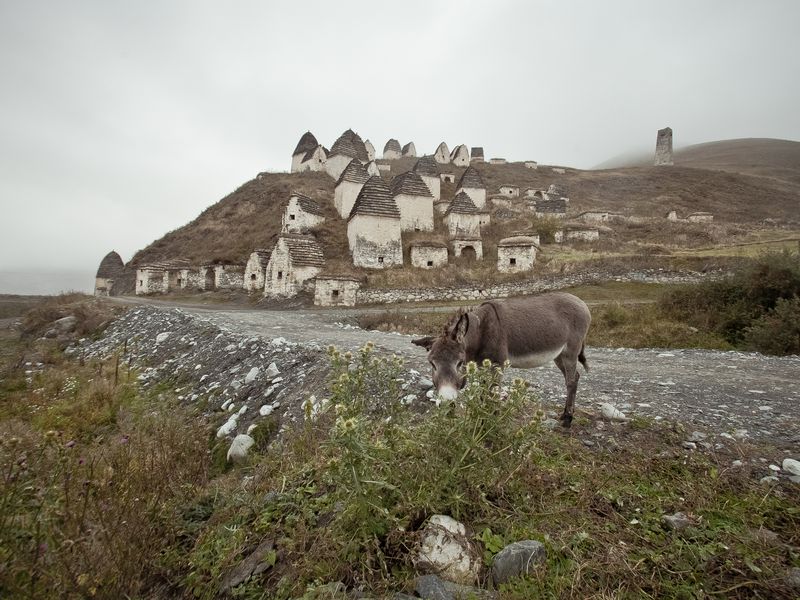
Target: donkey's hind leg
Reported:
[(568, 365)]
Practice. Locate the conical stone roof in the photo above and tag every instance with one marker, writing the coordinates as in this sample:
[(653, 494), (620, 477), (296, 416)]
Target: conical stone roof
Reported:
[(391, 146), (304, 250), (375, 199), (307, 204), (350, 144), (477, 152), (111, 266), (410, 184), (307, 142), (409, 149), (355, 172), (427, 166), (470, 179), (462, 204)]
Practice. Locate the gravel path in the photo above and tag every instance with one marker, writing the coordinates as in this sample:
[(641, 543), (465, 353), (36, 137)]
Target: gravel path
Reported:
[(748, 394)]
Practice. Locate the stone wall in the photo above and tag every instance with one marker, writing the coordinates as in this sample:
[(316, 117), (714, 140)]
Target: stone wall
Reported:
[(531, 164), (151, 281), (254, 274), (434, 185), (513, 259), (375, 241), (477, 195), (586, 235), (297, 220), (460, 245), (461, 224), (505, 290), (416, 212), (428, 257), (511, 191), (345, 196), (229, 277), (335, 291)]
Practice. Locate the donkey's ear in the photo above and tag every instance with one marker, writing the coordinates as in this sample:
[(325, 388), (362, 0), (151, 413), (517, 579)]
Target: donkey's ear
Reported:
[(425, 342), (460, 329)]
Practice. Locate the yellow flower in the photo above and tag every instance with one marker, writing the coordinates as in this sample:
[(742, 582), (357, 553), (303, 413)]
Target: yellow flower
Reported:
[(486, 363)]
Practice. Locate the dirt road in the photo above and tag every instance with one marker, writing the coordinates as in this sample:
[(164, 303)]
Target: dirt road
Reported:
[(724, 391)]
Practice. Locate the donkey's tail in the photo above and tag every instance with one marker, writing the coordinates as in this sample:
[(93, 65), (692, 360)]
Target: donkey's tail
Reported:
[(582, 357)]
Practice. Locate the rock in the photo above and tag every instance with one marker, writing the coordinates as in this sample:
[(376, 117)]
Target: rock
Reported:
[(50, 334), (791, 465), (433, 587), (265, 410), (447, 551), (736, 464), (65, 324), (550, 424), (587, 443), (768, 480), (697, 436), (272, 371), (250, 428), (228, 427), (774, 468), (277, 380), (793, 578), (609, 411), (162, 337), (425, 383), (239, 447), (689, 445), (740, 434), (251, 376), (254, 564), (517, 560), (676, 522)]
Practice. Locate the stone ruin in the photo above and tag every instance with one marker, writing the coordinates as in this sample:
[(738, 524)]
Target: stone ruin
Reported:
[(663, 156), (113, 278)]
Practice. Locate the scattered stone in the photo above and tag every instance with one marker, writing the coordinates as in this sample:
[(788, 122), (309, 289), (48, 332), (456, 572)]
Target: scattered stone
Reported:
[(517, 560), (277, 380), (611, 412), (251, 376), (792, 466), (228, 427), (550, 424), (736, 464), (425, 383), (697, 436), (50, 334), (740, 434), (162, 337), (447, 551), (272, 371), (433, 587), (689, 445), (265, 410), (239, 447), (254, 564), (774, 468), (676, 522), (793, 578), (65, 324), (587, 443), (769, 479)]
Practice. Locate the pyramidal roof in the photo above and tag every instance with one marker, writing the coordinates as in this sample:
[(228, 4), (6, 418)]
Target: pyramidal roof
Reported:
[(262, 255), (375, 199), (310, 153), (458, 150), (304, 250), (477, 152), (307, 142), (409, 149), (111, 266), (427, 166), (391, 145), (410, 184), (470, 179), (355, 172), (350, 144), (307, 204), (462, 204)]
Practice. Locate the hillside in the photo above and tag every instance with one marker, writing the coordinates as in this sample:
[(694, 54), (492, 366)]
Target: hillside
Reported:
[(765, 157), (250, 217)]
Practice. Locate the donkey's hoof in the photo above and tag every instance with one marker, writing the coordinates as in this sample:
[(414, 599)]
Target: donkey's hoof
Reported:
[(566, 421)]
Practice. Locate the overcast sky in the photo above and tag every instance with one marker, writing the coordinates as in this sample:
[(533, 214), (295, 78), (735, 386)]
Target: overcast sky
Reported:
[(120, 121)]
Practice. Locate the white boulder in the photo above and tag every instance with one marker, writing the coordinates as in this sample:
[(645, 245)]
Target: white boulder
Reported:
[(251, 376), (447, 551), (611, 412), (239, 447)]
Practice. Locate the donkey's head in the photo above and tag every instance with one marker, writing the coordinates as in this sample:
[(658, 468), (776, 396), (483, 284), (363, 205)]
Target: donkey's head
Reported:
[(447, 355)]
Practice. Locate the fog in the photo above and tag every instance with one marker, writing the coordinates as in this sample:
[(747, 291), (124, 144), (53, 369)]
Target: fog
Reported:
[(122, 121)]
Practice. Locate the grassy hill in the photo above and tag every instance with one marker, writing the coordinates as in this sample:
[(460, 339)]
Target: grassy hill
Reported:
[(744, 206)]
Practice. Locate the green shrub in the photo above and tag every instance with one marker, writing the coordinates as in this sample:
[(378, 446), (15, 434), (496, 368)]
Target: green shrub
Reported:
[(778, 331), (731, 306)]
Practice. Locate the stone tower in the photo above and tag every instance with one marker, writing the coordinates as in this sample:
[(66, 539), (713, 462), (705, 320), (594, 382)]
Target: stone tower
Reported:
[(663, 148)]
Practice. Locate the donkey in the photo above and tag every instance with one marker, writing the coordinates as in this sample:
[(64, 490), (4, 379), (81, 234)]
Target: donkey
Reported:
[(528, 332)]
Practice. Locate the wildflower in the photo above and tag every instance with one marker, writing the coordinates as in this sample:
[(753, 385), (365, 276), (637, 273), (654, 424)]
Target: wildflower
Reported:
[(369, 346), (486, 363), (344, 378), (331, 349), (348, 356), (472, 368)]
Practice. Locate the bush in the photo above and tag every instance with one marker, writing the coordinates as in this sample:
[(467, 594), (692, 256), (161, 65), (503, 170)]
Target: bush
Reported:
[(778, 331), (731, 306)]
